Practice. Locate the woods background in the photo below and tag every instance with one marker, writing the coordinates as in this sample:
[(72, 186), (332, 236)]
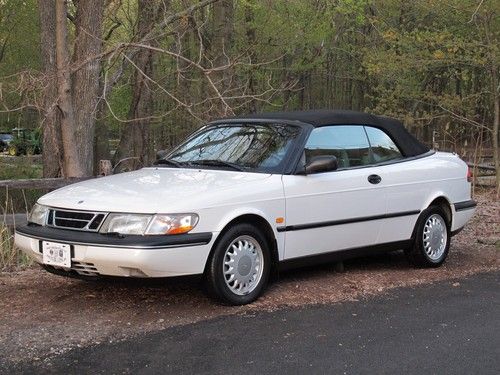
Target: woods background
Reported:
[(112, 79)]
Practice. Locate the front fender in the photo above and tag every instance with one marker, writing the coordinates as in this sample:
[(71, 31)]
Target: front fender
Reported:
[(219, 221)]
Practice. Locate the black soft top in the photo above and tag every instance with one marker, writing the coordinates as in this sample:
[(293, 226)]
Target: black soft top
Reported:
[(406, 142)]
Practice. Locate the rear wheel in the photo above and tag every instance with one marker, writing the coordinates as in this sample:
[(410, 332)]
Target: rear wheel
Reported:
[(432, 239), (238, 269)]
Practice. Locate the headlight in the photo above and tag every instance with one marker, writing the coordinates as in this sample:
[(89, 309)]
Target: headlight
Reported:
[(172, 224), (126, 223), (38, 214), (149, 224)]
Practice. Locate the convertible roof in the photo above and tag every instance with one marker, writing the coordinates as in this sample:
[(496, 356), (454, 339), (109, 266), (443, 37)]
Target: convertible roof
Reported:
[(407, 143)]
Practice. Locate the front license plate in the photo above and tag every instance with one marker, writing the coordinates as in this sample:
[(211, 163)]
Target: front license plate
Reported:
[(56, 254)]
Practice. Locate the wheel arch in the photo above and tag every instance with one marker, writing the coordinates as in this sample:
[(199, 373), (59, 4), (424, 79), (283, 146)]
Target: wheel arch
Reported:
[(444, 203), (441, 201), (259, 222)]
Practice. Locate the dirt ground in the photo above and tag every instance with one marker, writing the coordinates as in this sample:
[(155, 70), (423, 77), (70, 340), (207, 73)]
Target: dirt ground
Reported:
[(42, 315)]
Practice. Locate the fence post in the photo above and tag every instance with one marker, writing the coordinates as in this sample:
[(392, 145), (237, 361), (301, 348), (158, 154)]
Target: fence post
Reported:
[(105, 167)]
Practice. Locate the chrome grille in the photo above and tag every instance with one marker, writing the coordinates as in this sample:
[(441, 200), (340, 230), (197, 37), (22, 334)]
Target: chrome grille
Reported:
[(75, 220)]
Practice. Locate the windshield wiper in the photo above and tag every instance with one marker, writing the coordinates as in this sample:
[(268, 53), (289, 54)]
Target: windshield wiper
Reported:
[(217, 163), (168, 162)]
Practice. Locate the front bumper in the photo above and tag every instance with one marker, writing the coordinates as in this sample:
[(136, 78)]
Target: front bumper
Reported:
[(94, 254)]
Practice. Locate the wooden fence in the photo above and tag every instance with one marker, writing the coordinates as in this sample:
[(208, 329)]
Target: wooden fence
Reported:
[(40, 183), (15, 219)]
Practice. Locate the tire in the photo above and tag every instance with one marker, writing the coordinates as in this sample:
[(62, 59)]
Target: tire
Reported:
[(248, 247), (432, 237)]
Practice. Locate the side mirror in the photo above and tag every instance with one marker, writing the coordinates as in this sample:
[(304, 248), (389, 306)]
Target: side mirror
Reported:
[(322, 163)]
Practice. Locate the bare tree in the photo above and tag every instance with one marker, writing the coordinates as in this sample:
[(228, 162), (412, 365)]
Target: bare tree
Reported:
[(85, 81), (135, 138), (485, 22), (251, 36), (70, 95), (76, 88), (223, 29), (211, 68), (51, 143), (72, 166)]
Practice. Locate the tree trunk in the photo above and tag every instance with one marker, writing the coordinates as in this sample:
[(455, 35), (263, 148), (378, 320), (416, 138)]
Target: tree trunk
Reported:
[(72, 164), (50, 121), (101, 134), (495, 136), (496, 122), (85, 88), (135, 139), (251, 40), (223, 28), (495, 88)]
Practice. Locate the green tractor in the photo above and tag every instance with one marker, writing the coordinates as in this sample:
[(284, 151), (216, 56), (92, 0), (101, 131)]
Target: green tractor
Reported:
[(25, 142)]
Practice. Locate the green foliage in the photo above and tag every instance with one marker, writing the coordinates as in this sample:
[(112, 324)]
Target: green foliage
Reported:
[(119, 103), (429, 62), (19, 32), (19, 41), (433, 62)]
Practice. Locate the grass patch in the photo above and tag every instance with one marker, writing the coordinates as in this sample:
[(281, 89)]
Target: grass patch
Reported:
[(19, 167), (15, 201), (10, 256)]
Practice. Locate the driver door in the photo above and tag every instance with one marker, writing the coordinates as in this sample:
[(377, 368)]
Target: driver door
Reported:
[(335, 210)]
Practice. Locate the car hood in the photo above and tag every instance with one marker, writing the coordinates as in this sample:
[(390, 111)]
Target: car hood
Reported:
[(153, 190)]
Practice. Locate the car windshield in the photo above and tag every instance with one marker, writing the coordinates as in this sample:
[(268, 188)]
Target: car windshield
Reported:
[(253, 147)]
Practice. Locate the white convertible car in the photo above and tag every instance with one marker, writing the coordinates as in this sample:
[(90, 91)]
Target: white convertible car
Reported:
[(244, 197)]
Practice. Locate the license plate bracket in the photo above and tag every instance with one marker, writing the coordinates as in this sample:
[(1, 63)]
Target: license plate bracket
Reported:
[(56, 254)]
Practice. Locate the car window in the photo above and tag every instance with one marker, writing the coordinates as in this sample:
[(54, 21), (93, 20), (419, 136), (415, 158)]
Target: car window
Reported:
[(261, 148), (347, 143), (382, 146)]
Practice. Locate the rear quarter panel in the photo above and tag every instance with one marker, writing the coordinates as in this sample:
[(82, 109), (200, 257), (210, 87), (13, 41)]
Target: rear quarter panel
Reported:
[(414, 184)]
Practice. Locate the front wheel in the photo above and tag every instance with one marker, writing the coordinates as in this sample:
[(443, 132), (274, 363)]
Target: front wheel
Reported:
[(238, 269), (432, 239)]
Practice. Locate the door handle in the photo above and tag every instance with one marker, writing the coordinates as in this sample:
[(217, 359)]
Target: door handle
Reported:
[(374, 179)]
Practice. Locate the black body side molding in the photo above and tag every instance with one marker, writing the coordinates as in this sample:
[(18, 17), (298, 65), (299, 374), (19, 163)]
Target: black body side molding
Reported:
[(345, 221), (466, 205)]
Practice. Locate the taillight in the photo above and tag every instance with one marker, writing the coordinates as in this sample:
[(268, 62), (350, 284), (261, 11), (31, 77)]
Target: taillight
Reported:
[(469, 174)]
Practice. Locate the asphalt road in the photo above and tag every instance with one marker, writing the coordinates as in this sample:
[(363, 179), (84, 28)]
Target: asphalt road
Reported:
[(445, 328)]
